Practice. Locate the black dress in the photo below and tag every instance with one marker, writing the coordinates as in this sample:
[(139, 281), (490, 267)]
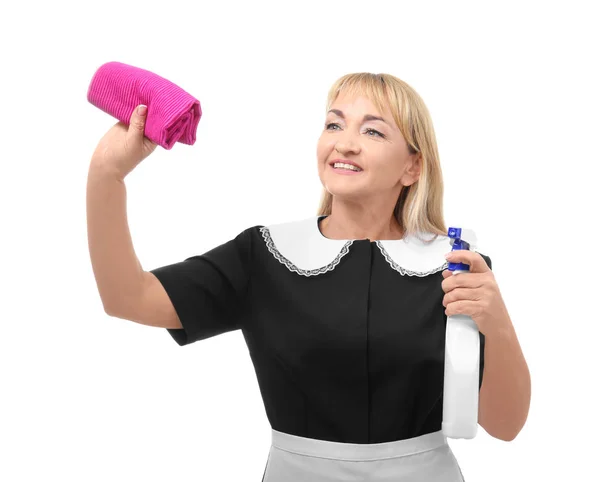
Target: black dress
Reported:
[(346, 336)]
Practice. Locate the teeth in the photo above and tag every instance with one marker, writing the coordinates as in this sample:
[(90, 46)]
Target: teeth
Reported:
[(342, 165)]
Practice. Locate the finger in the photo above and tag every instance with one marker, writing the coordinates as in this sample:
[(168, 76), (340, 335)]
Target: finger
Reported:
[(137, 122), (475, 261)]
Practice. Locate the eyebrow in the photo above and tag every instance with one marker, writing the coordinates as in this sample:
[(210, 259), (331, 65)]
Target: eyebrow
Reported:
[(367, 117)]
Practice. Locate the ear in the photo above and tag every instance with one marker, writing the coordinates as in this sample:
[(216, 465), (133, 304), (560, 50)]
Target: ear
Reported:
[(414, 169)]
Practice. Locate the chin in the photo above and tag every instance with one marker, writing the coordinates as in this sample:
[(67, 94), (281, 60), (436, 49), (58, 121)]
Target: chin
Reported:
[(342, 191)]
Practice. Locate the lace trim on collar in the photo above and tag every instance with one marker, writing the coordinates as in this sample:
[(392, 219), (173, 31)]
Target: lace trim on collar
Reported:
[(292, 267), (405, 271)]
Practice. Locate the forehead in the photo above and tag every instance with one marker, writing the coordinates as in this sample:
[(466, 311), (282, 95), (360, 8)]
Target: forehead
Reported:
[(357, 103)]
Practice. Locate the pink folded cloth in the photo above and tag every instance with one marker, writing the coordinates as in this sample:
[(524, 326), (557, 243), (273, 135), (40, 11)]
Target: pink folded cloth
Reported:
[(173, 114)]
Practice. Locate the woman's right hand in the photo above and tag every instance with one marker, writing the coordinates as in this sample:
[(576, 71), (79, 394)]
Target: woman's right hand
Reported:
[(123, 147)]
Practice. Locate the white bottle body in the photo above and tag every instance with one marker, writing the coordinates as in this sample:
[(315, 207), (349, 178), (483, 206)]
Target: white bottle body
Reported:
[(461, 377)]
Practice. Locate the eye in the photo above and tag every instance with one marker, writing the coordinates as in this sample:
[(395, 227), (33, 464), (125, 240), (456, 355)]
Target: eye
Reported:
[(376, 132), (327, 127)]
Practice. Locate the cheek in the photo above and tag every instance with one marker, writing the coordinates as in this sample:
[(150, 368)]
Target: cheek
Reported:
[(323, 150), (392, 163)]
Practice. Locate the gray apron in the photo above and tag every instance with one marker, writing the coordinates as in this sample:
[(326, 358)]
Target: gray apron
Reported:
[(427, 458)]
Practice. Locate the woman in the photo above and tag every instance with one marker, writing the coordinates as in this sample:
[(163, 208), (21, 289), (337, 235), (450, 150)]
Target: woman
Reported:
[(344, 313)]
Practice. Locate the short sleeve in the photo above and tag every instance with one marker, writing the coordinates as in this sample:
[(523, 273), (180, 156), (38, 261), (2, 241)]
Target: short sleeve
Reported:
[(208, 291), (481, 335)]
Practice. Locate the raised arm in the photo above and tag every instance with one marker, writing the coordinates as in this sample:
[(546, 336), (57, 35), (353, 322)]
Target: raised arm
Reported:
[(126, 290)]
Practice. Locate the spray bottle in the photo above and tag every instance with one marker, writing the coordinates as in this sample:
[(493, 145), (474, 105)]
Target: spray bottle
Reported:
[(461, 366)]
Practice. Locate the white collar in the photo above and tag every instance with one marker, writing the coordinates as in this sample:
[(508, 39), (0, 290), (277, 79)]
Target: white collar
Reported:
[(301, 247)]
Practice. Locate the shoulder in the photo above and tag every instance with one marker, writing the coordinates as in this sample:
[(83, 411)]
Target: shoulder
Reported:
[(280, 236)]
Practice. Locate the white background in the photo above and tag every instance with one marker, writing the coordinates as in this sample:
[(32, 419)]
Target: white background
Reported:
[(513, 91)]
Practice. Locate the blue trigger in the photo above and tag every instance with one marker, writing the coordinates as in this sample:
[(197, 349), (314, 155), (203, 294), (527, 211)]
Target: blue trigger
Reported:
[(457, 244)]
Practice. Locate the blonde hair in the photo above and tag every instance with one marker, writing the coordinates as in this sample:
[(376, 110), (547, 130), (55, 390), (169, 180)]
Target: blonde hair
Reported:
[(419, 208)]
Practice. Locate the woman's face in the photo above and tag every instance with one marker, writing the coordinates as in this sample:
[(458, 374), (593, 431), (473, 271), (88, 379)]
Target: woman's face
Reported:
[(377, 146)]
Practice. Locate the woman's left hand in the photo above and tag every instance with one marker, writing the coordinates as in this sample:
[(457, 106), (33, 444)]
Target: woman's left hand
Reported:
[(475, 293)]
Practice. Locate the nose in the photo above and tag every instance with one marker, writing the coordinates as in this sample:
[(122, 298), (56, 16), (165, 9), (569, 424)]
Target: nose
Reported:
[(346, 143)]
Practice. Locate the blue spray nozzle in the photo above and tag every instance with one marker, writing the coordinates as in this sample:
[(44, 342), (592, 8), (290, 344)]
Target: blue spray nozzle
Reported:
[(461, 239)]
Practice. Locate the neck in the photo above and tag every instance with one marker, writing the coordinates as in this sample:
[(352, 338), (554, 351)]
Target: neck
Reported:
[(343, 224)]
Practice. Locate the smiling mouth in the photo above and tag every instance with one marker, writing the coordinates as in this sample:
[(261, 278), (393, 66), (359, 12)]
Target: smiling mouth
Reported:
[(344, 171), (343, 166)]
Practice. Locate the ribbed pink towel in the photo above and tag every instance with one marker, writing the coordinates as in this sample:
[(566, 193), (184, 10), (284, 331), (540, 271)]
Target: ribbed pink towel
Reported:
[(173, 114)]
